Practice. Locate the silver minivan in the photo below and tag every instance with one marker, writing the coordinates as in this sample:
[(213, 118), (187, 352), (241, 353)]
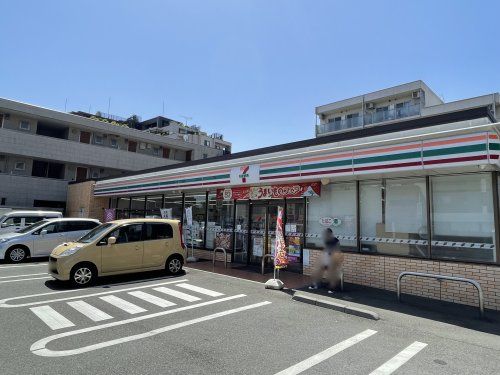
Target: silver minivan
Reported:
[(14, 220), (39, 239)]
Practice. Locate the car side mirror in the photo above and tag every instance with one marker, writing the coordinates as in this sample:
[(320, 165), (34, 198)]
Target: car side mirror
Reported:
[(43, 232), (111, 241)]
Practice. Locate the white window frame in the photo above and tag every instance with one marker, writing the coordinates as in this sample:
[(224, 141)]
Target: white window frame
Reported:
[(22, 123), (96, 136), (115, 145), (20, 169)]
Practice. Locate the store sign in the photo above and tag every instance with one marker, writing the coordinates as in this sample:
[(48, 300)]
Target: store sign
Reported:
[(326, 221), (306, 189), (246, 174)]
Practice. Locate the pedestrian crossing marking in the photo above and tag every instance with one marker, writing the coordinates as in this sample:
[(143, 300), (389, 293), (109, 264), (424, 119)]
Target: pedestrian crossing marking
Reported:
[(177, 294), (200, 290), (151, 299), (51, 317), (91, 312), (399, 359), (122, 304)]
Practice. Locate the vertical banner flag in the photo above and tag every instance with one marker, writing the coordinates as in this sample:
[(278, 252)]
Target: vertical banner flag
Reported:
[(280, 256), (166, 213), (189, 216), (109, 214)]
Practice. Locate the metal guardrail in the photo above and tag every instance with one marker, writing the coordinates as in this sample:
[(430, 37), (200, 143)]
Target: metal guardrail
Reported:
[(264, 261), (225, 255), (440, 278)]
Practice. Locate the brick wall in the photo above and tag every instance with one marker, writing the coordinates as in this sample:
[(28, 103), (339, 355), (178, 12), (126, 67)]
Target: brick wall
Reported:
[(82, 203), (382, 272)]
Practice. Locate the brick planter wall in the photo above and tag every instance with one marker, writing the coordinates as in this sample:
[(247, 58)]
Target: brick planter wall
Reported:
[(382, 272)]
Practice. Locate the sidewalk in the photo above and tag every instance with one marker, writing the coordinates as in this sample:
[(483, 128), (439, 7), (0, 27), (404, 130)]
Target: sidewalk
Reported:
[(292, 280)]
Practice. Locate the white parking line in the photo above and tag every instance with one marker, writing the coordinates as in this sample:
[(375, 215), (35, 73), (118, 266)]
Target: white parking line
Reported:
[(51, 317), (399, 359), (151, 299), (24, 265), (3, 302), (39, 347), (197, 289), (29, 274), (176, 294), (90, 311), (325, 354), (123, 305), (18, 280)]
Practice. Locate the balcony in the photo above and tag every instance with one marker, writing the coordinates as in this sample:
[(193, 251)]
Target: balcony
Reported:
[(369, 118)]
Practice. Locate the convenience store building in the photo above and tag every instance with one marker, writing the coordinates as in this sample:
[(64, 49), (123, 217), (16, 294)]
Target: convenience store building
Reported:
[(419, 193)]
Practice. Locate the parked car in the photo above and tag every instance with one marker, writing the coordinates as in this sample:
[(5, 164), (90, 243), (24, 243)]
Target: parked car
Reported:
[(15, 220), (117, 247), (39, 239)]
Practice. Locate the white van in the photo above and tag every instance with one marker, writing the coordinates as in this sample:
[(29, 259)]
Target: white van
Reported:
[(15, 220)]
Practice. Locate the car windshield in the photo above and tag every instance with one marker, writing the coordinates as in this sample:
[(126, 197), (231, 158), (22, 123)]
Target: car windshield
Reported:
[(95, 233), (29, 228)]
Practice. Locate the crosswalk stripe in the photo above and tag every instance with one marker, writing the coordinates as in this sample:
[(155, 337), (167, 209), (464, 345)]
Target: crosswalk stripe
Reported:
[(325, 354), (399, 359), (198, 289), (122, 304), (151, 299), (51, 317), (176, 294), (89, 311)]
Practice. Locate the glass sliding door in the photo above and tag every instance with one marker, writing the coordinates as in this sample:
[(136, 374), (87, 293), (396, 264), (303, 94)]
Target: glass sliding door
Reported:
[(196, 234), (294, 229), (220, 223), (153, 205), (240, 253), (258, 220), (174, 203)]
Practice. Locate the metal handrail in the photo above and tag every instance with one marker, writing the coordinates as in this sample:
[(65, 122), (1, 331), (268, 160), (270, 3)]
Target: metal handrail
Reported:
[(225, 255), (442, 277), (264, 261)]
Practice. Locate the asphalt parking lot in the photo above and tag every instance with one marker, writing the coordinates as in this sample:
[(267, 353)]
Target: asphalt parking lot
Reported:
[(206, 323)]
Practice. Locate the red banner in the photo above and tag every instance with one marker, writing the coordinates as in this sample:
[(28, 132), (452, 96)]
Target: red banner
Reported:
[(280, 256), (298, 190)]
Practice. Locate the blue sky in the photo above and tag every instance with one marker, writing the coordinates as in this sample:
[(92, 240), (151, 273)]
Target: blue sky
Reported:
[(252, 70)]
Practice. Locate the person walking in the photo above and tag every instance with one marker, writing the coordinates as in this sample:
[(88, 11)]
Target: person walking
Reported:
[(331, 262)]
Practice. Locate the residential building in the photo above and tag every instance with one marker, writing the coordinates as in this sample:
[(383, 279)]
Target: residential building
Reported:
[(41, 150), (419, 193)]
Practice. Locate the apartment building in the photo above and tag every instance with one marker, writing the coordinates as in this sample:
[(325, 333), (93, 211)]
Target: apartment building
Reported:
[(396, 104), (177, 130), (41, 150)]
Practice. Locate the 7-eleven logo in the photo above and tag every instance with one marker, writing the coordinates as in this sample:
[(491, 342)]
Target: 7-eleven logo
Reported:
[(244, 173)]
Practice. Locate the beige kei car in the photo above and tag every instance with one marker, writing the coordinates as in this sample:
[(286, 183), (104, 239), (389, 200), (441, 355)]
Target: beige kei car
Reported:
[(117, 247)]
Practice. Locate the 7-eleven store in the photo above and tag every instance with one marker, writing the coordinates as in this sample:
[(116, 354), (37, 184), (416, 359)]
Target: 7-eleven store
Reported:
[(420, 199)]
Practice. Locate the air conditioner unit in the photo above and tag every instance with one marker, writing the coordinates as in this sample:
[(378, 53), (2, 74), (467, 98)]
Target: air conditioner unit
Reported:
[(370, 105), (415, 94)]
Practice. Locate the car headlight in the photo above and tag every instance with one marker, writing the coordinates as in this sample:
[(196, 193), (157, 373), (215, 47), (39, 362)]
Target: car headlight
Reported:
[(70, 251)]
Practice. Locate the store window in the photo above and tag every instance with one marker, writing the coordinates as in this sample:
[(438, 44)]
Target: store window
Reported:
[(195, 234), (371, 218), (294, 229), (137, 207), (396, 222), (336, 209), (122, 208), (174, 204), (462, 218), (153, 205), (219, 223)]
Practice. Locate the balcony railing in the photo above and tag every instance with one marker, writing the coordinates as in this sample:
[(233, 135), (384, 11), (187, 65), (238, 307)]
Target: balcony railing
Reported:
[(368, 119)]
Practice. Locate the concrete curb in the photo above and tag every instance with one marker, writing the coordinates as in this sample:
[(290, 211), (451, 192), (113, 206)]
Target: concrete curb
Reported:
[(337, 305)]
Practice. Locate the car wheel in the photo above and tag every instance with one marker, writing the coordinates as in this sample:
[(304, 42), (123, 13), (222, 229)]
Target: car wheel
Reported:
[(83, 275), (17, 254), (174, 265)]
